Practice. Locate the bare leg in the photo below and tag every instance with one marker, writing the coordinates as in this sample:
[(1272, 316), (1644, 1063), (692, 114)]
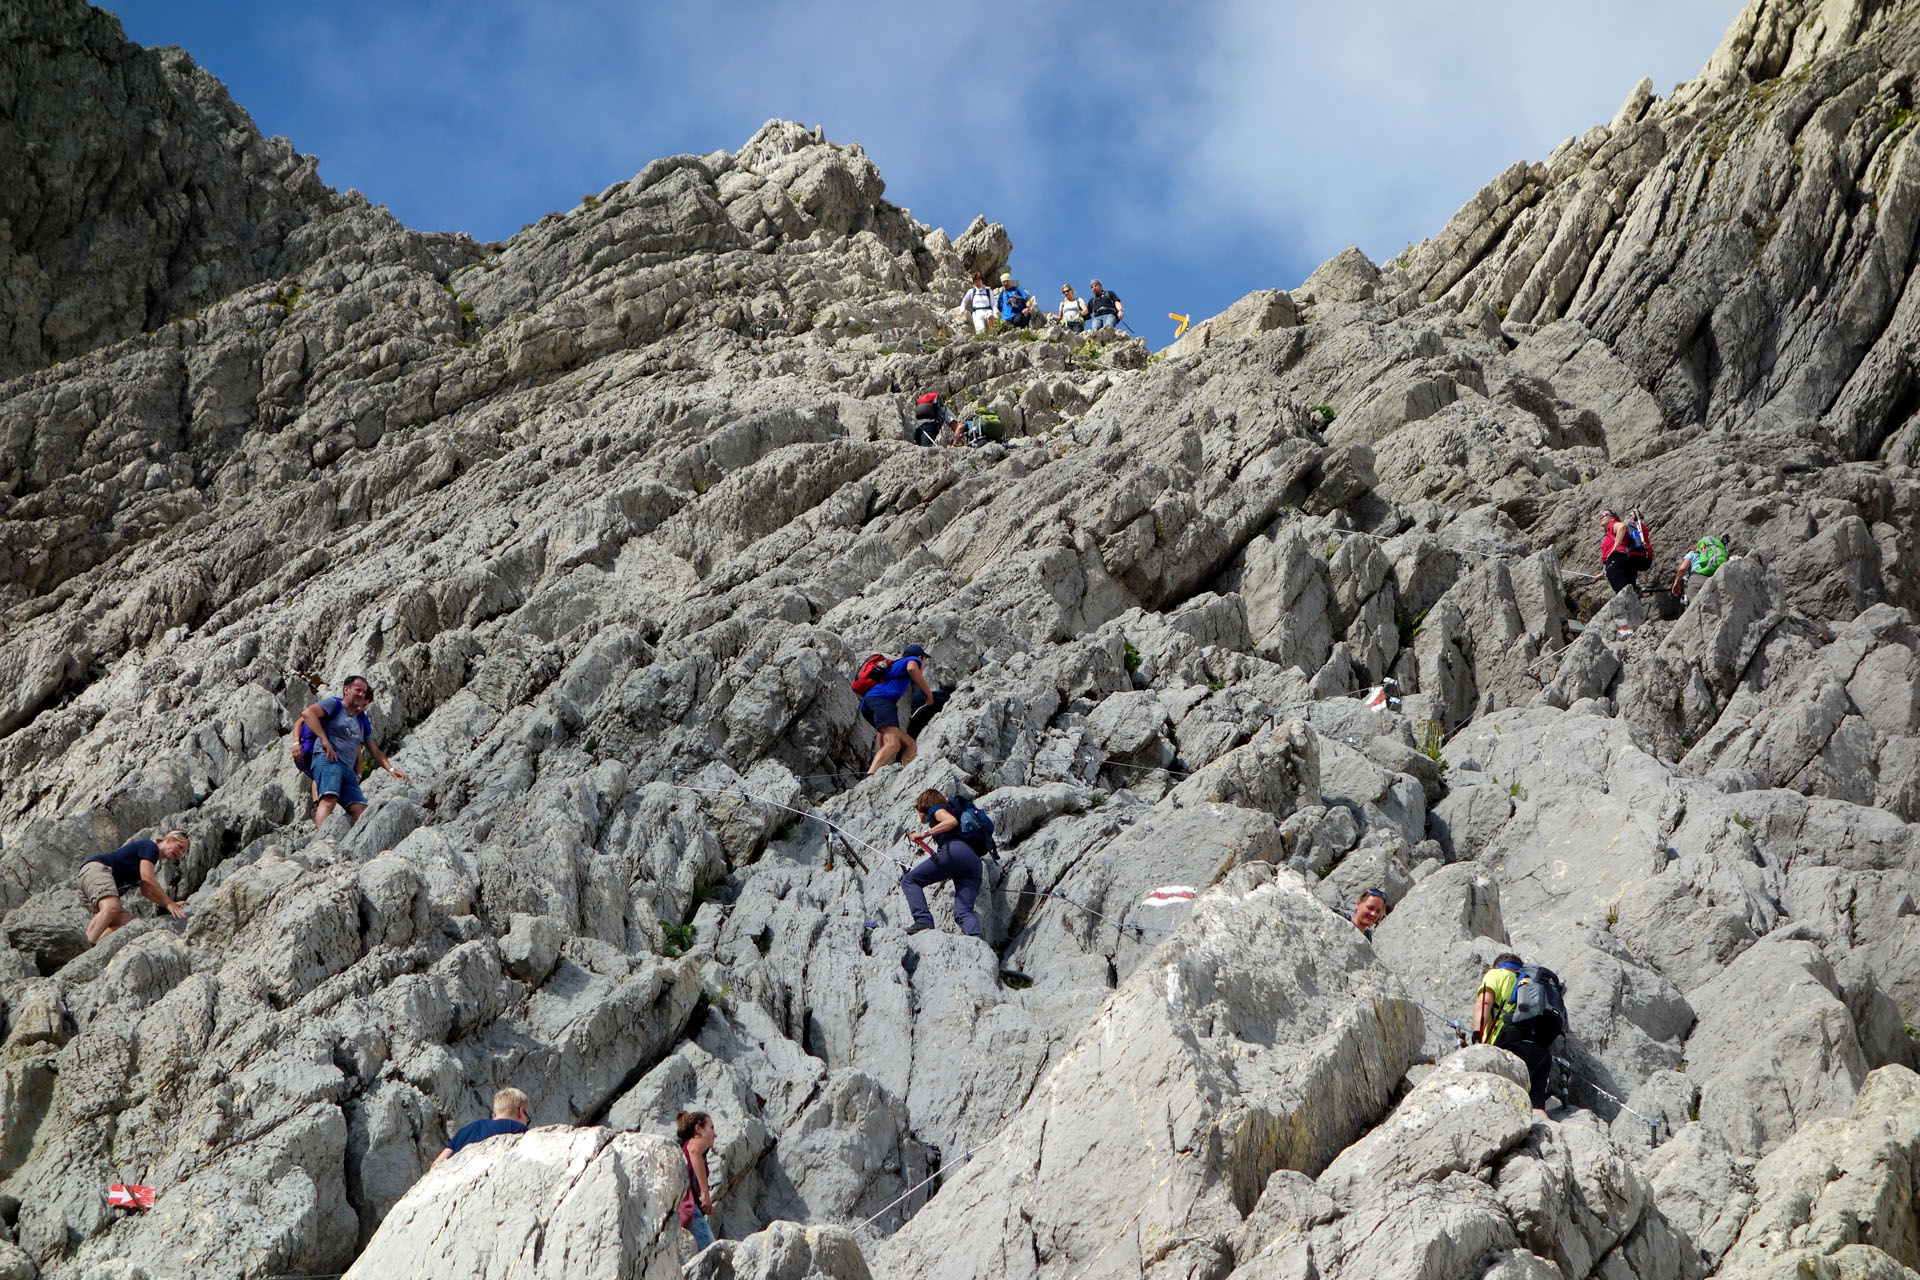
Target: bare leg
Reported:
[(891, 740), (353, 813), (106, 918), (324, 810), (909, 748)]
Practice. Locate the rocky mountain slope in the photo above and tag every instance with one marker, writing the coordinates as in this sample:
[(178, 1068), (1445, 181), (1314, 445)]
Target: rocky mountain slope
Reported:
[(608, 513)]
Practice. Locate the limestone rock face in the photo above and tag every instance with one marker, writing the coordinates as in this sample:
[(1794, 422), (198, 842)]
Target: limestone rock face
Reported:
[(161, 199), (549, 1202), (608, 514), (1225, 1042)]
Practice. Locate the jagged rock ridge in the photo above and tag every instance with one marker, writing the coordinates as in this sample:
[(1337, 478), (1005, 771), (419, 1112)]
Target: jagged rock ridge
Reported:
[(608, 512)]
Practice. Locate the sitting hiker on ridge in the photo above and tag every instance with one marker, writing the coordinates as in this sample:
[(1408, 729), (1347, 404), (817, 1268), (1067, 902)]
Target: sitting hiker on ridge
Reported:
[(1103, 309), (1368, 911), (105, 878), (1521, 1008), (1703, 561), (336, 734), (880, 707), (510, 1115), (1073, 310), (1016, 304), (977, 304), (953, 859)]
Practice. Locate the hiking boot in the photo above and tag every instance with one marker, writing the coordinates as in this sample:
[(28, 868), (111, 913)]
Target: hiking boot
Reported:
[(917, 928)]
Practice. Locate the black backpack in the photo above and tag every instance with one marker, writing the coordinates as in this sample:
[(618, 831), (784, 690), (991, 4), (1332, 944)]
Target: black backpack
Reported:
[(1539, 1009)]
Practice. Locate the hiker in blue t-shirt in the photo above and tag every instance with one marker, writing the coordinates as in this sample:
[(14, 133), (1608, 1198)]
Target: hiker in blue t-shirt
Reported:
[(340, 732), (1016, 304), (510, 1115), (881, 708), (105, 878)]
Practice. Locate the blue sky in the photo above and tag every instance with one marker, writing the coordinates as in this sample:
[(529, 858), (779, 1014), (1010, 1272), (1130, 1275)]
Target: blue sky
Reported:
[(1186, 154)]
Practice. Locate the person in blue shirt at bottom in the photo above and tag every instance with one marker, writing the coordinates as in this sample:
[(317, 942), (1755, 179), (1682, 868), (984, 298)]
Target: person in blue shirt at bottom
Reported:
[(881, 708), (510, 1115), (953, 859)]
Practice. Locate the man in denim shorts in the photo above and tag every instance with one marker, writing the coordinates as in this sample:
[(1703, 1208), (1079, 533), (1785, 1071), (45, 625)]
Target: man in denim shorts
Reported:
[(340, 734)]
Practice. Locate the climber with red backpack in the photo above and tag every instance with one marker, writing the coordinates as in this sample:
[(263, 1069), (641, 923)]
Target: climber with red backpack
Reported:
[(931, 417), (881, 684), (1626, 549), (1522, 1008), (333, 738)]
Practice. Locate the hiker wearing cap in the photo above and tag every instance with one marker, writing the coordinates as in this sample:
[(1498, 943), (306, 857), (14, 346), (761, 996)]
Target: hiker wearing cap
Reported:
[(1617, 564), (953, 859), (510, 1115), (105, 878), (695, 1133), (1520, 1008), (1073, 310), (337, 735), (1104, 310), (880, 707), (1016, 304), (977, 304), (1703, 561), (1369, 911)]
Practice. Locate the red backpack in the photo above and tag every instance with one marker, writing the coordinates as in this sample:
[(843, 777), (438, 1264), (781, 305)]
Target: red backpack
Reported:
[(871, 673)]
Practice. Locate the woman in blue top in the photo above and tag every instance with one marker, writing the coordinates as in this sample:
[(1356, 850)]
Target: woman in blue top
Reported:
[(953, 859), (881, 708)]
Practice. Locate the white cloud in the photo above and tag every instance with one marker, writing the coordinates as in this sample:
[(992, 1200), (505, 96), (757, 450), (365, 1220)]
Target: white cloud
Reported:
[(1372, 122)]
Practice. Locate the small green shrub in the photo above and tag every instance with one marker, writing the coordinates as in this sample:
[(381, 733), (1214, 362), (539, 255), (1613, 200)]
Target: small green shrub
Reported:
[(1215, 686), (1408, 624), (1131, 656), (1743, 822), (1325, 411), (677, 939), (467, 316), (1015, 981), (1096, 800), (1516, 792), (593, 745)]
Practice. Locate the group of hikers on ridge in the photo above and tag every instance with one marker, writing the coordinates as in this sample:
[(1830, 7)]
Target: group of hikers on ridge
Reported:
[(1011, 307), (1626, 551)]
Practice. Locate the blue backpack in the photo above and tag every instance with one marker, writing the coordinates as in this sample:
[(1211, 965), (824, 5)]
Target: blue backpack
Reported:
[(976, 828)]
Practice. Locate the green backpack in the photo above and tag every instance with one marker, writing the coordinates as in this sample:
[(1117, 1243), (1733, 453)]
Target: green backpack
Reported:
[(1708, 555)]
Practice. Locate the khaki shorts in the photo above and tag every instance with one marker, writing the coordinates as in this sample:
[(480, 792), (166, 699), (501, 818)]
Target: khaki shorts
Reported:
[(96, 882)]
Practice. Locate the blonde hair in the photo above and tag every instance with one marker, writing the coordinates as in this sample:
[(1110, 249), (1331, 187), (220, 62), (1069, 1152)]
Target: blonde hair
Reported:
[(177, 834), (508, 1102)]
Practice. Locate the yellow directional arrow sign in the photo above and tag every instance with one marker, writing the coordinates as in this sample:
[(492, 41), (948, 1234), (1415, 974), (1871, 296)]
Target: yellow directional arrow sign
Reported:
[(1171, 315)]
